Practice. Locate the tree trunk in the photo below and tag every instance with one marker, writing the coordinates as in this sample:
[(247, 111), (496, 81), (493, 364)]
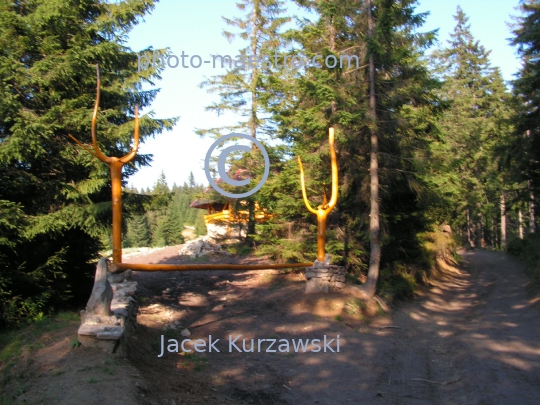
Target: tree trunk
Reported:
[(469, 237), (532, 217), (479, 233), (495, 230), (503, 220), (346, 246), (253, 121), (332, 30), (489, 226), (251, 219), (374, 221), (520, 224), (255, 72)]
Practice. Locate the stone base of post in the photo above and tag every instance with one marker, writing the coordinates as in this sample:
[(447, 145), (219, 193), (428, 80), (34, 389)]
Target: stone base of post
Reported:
[(110, 328), (323, 277)]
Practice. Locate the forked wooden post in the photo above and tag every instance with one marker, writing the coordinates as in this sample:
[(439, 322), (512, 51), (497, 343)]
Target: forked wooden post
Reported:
[(324, 209), (115, 165)]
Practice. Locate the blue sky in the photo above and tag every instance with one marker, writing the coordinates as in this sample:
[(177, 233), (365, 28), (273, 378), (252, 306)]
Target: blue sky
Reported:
[(196, 26)]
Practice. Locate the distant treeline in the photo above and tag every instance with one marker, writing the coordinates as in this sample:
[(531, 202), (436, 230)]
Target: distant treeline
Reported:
[(162, 222)]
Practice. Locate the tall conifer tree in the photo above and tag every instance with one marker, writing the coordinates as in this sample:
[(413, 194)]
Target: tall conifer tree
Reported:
[(526, 144), (382, 105), (473, 126), (59, 193), (242, 87)]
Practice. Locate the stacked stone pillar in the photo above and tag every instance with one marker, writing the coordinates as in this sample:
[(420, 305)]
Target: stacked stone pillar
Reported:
[(111, 312), (323, 277)]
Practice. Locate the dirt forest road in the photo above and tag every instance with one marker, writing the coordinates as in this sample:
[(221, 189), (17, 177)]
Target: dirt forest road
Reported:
[(474, 340), (470, 340)]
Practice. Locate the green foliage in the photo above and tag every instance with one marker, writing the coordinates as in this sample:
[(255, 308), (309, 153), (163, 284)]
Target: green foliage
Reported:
[(241, 89), (305, 104), (355, 307), (55, 197), (400, 279), (160, 220), (281, 246), (138, 232), (475, 125), (524, 150), (397, 280), (240, 249), (528, 250)]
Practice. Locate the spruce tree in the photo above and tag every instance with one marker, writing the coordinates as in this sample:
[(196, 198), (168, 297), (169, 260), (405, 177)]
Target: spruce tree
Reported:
[(242, 88), (398, 103), (525, 148), (474, 126), (138, 232), (389, 78), (48, 58)]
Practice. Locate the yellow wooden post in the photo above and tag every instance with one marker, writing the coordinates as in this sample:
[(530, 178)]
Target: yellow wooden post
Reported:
[(324, 209), (115, 165)]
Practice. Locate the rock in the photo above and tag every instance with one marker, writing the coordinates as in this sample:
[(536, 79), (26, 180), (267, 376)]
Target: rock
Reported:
[(316, 285), (111, 312), (185, 333), (107, 345), (102, 293), (104, 332), (120, 277), (201, 247), (110, 333), (323, 275), (121, 312), (217, 231), (447, 229), (192, 248)]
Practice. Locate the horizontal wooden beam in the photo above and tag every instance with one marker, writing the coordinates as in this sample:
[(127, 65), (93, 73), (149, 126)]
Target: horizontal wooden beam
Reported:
[(119, 267)]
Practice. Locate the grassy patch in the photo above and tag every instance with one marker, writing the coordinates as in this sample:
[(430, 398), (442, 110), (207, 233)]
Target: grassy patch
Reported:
[(170, 334), (193, 361), (108, 371), (12, 342), (380, 310), (240, 249), (355, 307), (398, 280), (401, 279)]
